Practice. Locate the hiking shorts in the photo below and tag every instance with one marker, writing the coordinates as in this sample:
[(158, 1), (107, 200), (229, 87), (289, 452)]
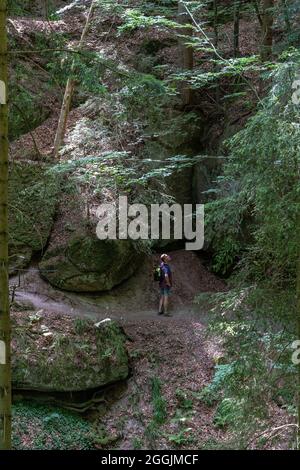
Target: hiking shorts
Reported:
[(165, 290)]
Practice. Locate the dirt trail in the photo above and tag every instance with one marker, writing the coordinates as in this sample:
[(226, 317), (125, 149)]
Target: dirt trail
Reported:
[(134, 299)]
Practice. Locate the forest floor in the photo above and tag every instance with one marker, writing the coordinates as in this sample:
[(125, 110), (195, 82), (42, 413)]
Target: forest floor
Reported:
[(173, 352), (172, 358)]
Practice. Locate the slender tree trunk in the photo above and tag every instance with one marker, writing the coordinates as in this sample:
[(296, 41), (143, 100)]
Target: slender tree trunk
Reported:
[(298, 316), (186, 52), (216, 29), (256, 8), (66, 106), (46, 9), (63, 118), (216, 43), (267, 30), (5, 373), (286, 16), (298, 328), (236, 32)]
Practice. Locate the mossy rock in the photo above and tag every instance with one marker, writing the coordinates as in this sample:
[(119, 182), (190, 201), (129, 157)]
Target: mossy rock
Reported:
[(86, 264), (65, 354), (19, 257), (33, 196)]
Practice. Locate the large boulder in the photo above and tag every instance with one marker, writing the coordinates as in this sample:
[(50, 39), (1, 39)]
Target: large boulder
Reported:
[(60, 353), (86, 264)]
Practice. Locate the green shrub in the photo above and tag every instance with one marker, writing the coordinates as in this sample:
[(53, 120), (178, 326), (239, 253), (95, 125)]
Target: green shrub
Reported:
[(159, 402), (184, 402), (39, 427), (228, 412), (254, 218), (183, 437)]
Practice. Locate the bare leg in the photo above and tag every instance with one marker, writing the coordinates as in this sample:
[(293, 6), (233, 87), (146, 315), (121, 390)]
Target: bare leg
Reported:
[(166, 304), (161, 303)]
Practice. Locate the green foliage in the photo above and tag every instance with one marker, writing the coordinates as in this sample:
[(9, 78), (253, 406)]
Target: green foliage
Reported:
[(152, 431), (27, 110), (184, 402), (225, 12), (158, 401), (183, 437), (85, 68), (103, 438), (111, 7), (145, 97), (228, 411), (159, 7), (29, 7), (137, 443), (257, 332), (260, 187), (81, 326), (233, 68), (19, 7), (32, 80), (225, 215), (32, 200), (134, 19), (38, 427), (212, 392)]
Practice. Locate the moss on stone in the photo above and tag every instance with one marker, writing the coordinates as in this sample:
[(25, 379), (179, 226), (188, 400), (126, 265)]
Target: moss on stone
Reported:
[(86, 264), (55, 357)]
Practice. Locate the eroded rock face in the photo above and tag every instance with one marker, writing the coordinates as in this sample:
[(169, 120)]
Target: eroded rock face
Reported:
[(59, 353), (86, 264)]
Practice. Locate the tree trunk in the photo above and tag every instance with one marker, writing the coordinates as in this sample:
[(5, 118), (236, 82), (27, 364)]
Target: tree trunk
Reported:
[(66, 106), (256, 8), (5, 373), (236, 32), (216, 29), (267, 30), (186, 52), (286, 15), (298, 331), (63, 118)]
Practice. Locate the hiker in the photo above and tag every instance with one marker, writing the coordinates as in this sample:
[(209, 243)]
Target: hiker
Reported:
[(165, 284)]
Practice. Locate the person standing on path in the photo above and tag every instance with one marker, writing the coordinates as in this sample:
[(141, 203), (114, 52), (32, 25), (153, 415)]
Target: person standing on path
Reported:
[(165, 285)]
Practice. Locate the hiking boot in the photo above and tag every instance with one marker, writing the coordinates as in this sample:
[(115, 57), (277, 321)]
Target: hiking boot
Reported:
[(161, 313), (168, 314)]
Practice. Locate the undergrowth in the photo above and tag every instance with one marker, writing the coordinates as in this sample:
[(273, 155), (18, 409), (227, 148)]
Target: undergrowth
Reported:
[(258, 380), (39, 427)]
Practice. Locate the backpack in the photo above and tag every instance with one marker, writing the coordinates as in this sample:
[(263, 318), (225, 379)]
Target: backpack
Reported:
[(157, 274)]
